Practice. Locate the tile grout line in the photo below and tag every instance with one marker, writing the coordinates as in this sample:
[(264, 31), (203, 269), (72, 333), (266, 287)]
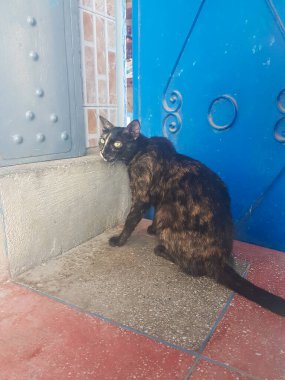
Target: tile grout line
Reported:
[(94, 12), (198, 357), (107, 82), (192, 368), (221, 315), (211, 333), (208, 337), (99, 106), (196, 354), (219, 364), (216, 323), (228, 366), (106, 319)]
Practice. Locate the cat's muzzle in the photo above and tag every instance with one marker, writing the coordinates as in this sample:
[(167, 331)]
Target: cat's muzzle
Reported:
[(107, 159)]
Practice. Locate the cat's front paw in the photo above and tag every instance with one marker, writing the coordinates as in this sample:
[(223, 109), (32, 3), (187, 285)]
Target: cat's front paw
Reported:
[(151, 230), (116, 241)]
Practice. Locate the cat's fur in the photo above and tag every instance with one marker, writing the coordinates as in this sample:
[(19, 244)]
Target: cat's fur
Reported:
[(192, 208)]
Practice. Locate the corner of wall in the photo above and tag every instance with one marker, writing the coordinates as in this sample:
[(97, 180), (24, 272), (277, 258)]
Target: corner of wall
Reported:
[(4, 263)]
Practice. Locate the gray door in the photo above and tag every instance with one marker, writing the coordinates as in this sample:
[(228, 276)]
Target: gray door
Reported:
[(41, 115)]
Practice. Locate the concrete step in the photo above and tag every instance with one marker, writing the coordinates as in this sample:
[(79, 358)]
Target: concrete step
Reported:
[(134, 288), (48, 208)]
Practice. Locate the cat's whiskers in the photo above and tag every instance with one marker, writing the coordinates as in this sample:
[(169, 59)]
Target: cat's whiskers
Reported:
[(102, 156)]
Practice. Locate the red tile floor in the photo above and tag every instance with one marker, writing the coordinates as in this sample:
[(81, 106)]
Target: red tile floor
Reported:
[(41, 338)]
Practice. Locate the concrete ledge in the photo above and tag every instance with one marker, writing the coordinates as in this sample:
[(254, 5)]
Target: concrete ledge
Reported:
[(50, 207), (4, 265), (133, 287)]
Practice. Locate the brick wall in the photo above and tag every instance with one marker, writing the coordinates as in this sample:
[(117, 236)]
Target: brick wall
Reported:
[(98, 46)]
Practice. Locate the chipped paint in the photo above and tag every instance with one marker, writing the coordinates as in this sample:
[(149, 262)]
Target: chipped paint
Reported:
[(272, 41), (267, 62), (254, 49)]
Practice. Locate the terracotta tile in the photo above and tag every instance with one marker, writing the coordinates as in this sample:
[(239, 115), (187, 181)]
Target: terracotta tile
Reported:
[(100, 6), (103, 112), (87, 3), (101, 45), (267, 266), (111, 8), (45, 340), (112, 78), (88, 26), (249, 337), (113, 116), (92, 121), (90, 75), (129, 95), (210, 371), (252, 252), (111, 35), (135, 295), (102, 92)]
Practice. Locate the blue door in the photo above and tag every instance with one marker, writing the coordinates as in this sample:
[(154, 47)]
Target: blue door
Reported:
[(210, 75)]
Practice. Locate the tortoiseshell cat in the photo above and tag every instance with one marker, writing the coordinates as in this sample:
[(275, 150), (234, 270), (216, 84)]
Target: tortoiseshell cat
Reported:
[(192, 208)]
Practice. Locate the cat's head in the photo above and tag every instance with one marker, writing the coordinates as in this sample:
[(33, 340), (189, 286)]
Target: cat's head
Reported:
[(118, 144)]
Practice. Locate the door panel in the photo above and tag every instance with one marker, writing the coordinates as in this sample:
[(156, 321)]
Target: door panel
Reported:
[(220, 98), (40, 109)]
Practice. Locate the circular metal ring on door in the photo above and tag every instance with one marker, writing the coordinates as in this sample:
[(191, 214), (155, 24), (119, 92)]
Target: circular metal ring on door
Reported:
[(222, 112), (281, 101), (279, 130)]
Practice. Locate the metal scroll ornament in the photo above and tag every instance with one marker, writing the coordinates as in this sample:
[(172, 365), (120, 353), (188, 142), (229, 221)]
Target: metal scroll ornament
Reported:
[(172, 105)]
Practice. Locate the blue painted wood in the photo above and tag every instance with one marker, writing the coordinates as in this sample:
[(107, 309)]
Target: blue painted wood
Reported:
[(41, 115), (210, 76)]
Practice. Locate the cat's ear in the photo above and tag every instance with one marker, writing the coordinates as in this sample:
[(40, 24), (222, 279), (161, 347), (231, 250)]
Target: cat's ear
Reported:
[(133, 129), (107, 125)]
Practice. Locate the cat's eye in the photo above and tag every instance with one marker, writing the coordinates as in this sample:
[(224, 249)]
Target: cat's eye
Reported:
[(102, 141), (118, 144)]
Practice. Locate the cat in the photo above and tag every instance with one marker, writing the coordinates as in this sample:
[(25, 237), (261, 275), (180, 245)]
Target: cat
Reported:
[(192, 208)]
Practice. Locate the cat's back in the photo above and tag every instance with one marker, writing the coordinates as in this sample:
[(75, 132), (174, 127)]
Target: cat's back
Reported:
[(161, 152), (158, 160), (152, 155)]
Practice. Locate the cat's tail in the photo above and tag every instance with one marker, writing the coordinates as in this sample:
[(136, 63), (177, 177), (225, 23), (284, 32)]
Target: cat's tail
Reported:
[(231, 279)]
